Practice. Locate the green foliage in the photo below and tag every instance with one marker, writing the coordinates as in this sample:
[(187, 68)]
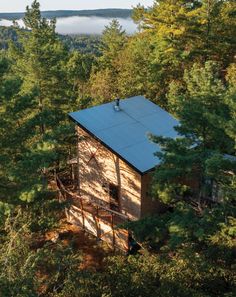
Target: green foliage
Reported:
[(179, 34), (44, 214), (5, 211), (134, 73), (113, 40), (104, 85), (85, 44), (183, 59), (193, 249), (7, 34), (230, 99), (17, 264), (36, 93), (27, 271), (197, 158), (79, 69)]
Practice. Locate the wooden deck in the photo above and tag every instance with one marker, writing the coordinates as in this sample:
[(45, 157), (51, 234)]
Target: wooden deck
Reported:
[(102, 222)]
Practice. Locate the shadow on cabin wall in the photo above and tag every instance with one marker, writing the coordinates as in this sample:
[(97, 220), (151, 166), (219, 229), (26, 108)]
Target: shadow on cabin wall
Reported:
[(107, 180), (101, 172)]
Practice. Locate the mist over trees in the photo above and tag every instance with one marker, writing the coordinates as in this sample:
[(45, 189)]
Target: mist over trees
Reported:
[(183, 59), (107, 13)]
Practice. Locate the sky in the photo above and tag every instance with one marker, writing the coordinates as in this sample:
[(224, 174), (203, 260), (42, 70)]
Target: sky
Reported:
[(19, 5)]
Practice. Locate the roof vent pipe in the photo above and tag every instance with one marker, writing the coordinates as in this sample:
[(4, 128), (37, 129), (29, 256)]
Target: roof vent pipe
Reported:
[(117, 105)]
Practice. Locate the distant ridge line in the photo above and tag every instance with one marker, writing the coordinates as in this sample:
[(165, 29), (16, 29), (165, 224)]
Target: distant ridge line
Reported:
[(107, 13)]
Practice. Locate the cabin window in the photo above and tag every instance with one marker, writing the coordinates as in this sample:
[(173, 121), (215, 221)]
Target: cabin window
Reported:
[(114, 194), (114, 191)]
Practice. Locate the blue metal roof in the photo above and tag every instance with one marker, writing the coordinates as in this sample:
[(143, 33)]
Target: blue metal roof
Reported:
[(126, 131)]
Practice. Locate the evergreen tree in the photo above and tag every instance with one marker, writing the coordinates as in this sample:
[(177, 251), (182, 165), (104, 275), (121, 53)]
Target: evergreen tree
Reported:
[(35, 110), (41, 60), (183, 58), (104, 84), (133, 66), (231, 101), (112, 42), (184, 32), (79, 69), (203, 115)]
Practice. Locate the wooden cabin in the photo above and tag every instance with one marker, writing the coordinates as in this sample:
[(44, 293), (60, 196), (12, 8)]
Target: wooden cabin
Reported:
[(115, 157)]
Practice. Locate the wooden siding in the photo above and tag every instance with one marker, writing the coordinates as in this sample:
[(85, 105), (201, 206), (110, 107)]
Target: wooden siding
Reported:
[(99, 167), (149, 205)]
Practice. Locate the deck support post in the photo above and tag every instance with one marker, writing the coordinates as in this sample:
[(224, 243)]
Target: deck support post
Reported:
[(113, 231), (82, 209), (98, 224)]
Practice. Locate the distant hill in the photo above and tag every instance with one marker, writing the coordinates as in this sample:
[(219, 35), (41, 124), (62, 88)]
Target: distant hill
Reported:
[(86, 44), (107, 13)]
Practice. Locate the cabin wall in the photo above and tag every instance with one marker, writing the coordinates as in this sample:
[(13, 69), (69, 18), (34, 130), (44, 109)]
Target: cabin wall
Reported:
[(99, 167), (149, 206)]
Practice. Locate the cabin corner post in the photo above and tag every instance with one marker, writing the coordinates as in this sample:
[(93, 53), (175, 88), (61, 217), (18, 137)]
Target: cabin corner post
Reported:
[(78, 160)]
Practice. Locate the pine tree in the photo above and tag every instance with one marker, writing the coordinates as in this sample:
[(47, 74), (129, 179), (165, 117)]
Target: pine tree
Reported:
[(134, 68), (79, 69), (104, 84), (35, 114), (112, 42), (187, 162), (185, 32)]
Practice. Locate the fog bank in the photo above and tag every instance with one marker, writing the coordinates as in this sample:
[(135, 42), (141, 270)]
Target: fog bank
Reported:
[(83, 25)]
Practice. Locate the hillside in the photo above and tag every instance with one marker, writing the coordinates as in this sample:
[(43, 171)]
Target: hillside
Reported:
[(86, 44), (68, 158), (107, 13)]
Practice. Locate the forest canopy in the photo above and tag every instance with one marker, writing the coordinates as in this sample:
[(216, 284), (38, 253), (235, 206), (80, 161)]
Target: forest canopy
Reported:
[(183, 59)]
